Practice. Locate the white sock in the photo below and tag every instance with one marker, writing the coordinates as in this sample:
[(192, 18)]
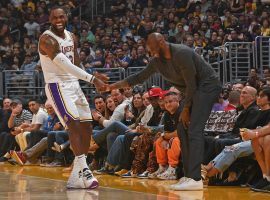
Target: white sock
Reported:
[(264, 176), (81, 161)]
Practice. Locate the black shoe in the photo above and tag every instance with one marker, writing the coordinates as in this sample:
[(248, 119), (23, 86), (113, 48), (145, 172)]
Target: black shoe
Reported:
[(104, 170), (263, 189), (3, 159), (262, 186)]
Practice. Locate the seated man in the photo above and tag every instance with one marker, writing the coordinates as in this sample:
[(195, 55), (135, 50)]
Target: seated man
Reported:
[(100, 105), (168, 145), (34, 151), (241, 149), (247, 119), (38, 122), (18, 117)]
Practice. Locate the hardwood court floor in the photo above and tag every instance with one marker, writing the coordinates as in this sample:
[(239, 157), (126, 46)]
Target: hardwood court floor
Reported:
[(32, 182)]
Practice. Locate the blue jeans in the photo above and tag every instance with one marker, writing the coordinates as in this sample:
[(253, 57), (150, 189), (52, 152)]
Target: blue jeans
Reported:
[(56, 136), (113, 157), (62, 137), (109, 134), (231, 154)]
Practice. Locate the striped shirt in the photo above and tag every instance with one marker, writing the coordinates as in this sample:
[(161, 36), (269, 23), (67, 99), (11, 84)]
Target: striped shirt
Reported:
[(23, 117)]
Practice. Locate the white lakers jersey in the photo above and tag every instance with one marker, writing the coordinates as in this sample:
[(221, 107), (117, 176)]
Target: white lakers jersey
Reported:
[(53, 73)]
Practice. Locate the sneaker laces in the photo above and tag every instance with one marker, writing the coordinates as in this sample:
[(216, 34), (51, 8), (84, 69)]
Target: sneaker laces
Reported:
[(87, 173)]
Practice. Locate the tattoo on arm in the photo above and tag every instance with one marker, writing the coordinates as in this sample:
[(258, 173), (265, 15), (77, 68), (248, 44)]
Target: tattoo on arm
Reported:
[(49, 46)]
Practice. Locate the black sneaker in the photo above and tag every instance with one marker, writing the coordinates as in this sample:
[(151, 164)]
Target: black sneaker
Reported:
[(104, 170), (261, 184), (263, 189), (3, 159)]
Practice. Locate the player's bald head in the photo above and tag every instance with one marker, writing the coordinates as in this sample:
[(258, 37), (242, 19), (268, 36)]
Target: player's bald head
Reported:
[(156, 44), (155, 38)]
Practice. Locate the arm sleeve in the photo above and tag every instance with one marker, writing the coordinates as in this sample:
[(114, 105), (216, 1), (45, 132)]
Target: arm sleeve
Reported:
[(142, 75), (64, 63)]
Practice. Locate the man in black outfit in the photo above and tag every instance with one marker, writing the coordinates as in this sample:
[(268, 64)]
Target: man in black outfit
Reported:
[(189, 73)]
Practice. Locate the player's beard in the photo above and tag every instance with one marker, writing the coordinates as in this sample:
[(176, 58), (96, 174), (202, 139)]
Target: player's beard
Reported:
[(57, 30)]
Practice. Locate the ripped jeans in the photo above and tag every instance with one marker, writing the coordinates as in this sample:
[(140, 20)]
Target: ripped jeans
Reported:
[(231, 153)]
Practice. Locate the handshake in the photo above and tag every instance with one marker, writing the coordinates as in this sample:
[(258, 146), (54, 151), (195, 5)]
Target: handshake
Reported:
[(101, 83)]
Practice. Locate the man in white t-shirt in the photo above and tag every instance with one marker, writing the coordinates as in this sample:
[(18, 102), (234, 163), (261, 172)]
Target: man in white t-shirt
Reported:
[(38, 121), (32, 27)]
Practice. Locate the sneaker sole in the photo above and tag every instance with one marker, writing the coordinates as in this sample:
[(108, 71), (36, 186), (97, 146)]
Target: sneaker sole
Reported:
[(160, 178), (143, 177), (17, 158), (93, 185), (260, 190), (186, 189)]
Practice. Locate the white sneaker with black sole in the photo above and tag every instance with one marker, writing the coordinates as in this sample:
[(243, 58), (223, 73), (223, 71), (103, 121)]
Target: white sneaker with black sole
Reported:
[(188, 185)]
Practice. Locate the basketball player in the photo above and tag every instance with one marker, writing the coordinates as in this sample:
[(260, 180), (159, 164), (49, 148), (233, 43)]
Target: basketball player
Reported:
[(59, 61)]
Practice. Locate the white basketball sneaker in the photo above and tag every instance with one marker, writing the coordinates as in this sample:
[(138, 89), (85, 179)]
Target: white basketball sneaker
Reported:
[(189, 185), (90, 182), (75, 180)]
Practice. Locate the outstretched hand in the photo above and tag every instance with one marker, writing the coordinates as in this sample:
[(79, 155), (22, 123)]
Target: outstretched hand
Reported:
[(107, 88), (102, 77), (100, 85), (112, 86)]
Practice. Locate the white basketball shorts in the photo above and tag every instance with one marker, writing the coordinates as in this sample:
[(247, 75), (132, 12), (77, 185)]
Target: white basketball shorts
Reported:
[(68, 101)]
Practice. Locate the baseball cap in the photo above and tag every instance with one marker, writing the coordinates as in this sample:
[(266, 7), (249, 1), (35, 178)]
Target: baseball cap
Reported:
[(155, 92), (163, 93), (15, 102)]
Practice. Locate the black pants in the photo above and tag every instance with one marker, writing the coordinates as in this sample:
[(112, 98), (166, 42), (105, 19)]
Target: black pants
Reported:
[(192, 140), (7, 143)]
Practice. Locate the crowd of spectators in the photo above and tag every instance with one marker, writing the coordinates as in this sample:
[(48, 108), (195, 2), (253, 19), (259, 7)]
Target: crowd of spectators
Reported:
[(117, 39), (135, 130)]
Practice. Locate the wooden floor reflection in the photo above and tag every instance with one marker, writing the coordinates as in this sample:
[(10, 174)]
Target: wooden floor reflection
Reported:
[(31, 182)]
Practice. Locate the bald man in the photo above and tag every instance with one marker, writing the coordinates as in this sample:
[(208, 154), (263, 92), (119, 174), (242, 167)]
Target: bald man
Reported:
[(189, 73)]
